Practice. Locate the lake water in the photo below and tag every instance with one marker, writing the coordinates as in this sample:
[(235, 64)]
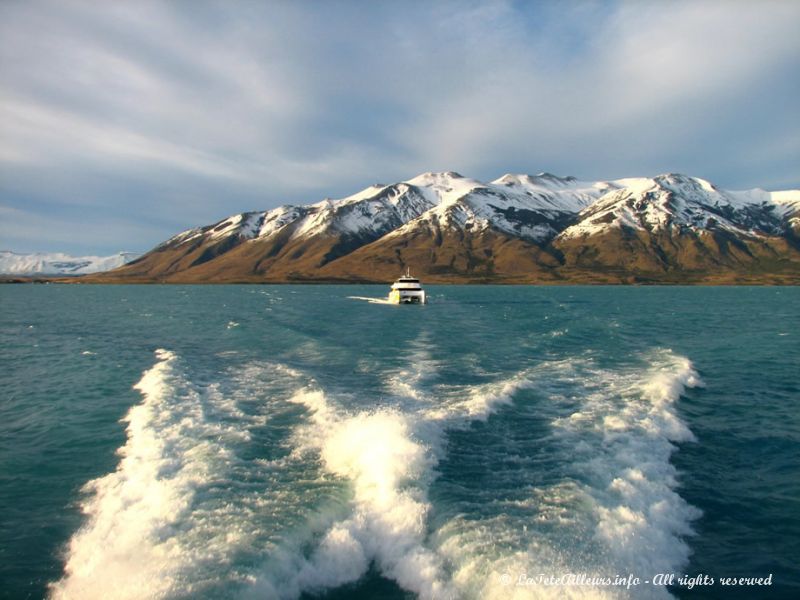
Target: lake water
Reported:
[(499, 442)]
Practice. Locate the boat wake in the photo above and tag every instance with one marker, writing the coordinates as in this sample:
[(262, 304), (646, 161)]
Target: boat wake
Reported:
[(271, 486), (143, 520), (371, 300)]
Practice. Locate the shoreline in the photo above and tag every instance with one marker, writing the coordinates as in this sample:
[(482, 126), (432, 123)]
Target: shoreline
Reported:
[(727, 280)]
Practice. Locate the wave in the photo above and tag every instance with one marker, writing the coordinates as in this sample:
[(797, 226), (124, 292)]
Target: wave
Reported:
[(613, 509), (390, 468), (182, 503), (142, 520), (615, 498)]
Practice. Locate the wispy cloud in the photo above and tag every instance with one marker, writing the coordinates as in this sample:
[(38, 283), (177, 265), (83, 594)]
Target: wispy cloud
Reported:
[(173, 114)]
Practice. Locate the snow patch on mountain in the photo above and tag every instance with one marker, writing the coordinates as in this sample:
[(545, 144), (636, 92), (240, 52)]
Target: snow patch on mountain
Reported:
[(183, 237), (57, 263), (369, 192), (370, 213), (245, 225), (565, 194), (442, 189), (278, 218)]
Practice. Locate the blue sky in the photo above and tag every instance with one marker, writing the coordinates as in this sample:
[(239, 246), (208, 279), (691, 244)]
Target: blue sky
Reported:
[(122, 123)]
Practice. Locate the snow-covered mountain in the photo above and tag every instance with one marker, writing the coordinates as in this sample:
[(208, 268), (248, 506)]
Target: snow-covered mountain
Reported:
[(515, 228), (13, 263), (678, 201), (523, 205)]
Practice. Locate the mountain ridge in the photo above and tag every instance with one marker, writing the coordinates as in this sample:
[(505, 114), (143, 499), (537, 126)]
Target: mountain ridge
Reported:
[(515, 229)]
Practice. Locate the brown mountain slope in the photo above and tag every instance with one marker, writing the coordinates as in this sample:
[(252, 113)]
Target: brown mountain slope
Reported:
[(674, 254), (448, 255), (443, 254)]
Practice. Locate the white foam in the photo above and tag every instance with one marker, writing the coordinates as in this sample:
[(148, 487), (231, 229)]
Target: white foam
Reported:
[(450, 406), (477, 403), (145, 532), (390, 471), (615, 509), (356, 484), (389, 468), (640, 510), (407, 383), (389, 457)]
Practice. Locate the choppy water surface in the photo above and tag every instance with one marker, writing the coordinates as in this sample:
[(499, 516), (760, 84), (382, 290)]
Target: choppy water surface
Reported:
[(294, 441)]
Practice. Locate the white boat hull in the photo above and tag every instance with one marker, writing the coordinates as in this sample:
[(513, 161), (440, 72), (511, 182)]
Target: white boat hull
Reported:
[(407, 297)]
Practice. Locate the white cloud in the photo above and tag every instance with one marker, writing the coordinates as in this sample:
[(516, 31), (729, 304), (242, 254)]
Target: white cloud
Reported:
[(656, 75), (293, 101)]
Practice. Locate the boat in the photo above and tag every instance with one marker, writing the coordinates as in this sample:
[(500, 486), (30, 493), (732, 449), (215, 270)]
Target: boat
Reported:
[(407, 290)]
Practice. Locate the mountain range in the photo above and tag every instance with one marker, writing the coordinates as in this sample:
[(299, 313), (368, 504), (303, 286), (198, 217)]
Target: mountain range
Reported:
[(58, 263), (670, 228)]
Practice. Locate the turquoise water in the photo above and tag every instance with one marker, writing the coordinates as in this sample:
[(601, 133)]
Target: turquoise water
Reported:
[(291, 441)]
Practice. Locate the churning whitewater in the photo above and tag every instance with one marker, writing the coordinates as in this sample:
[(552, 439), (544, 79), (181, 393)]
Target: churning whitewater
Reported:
[(262, 480)]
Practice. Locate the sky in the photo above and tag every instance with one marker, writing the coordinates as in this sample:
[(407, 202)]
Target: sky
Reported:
[(124, 122)]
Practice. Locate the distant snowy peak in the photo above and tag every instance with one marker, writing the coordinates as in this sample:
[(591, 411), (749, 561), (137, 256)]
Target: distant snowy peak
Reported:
[(57, 263)]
